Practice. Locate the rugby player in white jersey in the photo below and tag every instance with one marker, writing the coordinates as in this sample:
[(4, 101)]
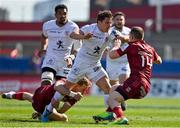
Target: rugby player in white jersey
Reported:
[(118, 69), (56, 43), (87, 62)]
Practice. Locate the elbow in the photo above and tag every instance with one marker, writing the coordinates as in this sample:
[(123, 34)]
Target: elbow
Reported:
[(159, 61), (111, 55)]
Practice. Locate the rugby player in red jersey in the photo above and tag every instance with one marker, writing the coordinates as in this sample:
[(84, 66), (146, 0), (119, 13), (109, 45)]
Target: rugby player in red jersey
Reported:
[(44, 95), (141, 57)]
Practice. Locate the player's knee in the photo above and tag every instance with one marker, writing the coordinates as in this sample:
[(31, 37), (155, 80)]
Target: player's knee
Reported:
[(47, 78), (113, 88), (107, 90)]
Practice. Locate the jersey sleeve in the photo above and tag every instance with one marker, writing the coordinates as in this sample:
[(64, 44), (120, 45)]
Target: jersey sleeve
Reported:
[(156, 56), (85, 29), (123, 50), (44, 30), (73, 28)]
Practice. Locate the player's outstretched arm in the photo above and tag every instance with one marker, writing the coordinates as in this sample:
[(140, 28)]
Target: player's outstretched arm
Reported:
[(64, 91), (80, 36)]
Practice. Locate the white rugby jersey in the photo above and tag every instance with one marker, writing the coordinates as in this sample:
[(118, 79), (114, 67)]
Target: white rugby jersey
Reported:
[(93, 48), (124, 45), (59, 41)]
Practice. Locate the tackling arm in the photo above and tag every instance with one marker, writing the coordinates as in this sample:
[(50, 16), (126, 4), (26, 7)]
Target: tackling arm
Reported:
[(79, 35), (64, 91), (113, 54)]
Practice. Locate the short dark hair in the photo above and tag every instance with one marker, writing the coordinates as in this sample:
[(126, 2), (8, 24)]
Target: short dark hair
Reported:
[(83, 82), (137, 32), (60, 6), (119, 14), (104, 14)]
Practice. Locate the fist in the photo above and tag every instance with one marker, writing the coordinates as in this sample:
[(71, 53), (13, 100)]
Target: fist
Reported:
[(88, 36)]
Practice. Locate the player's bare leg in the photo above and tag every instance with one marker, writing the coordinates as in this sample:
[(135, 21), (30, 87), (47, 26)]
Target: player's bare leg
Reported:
[(122, 78), (114, 99), (66, 106), (18, 95), (55, 116), (104, 84), (48, 110)]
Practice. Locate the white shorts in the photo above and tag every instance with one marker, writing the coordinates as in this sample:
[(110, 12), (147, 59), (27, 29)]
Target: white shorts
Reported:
[(114, 70), (92, 72), (59, 65)]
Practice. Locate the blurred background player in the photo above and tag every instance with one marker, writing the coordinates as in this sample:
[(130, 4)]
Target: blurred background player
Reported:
[(141, 57), (118, 69), (43, 96)]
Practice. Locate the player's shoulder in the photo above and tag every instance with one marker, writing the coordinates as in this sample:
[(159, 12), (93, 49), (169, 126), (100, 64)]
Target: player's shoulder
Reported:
[(49, 22), (72, 23), (88, 27), (144, 45), (126, 30)]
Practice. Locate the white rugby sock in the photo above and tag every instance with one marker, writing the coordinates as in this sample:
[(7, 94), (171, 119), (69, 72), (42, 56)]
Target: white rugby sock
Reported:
[(57, 96), (49, 107), (106, 96)]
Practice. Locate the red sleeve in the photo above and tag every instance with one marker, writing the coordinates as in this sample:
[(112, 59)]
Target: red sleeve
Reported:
[(122, 51), (156, 56), (119, 51)]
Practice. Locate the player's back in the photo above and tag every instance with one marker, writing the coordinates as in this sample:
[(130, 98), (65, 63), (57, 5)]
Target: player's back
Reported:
[(42, 97), (141, 57)]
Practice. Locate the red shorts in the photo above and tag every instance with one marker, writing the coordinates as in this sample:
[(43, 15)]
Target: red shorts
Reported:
[(134, 88), (42, 97)]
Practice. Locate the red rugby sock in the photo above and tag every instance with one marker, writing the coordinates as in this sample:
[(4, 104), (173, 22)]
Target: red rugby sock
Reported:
[(118, 111), (18, 96)]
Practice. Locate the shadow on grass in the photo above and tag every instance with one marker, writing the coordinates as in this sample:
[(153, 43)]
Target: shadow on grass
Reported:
[(20, 120)]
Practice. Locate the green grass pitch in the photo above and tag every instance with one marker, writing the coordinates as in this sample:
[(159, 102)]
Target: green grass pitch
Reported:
[(148, 112)]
